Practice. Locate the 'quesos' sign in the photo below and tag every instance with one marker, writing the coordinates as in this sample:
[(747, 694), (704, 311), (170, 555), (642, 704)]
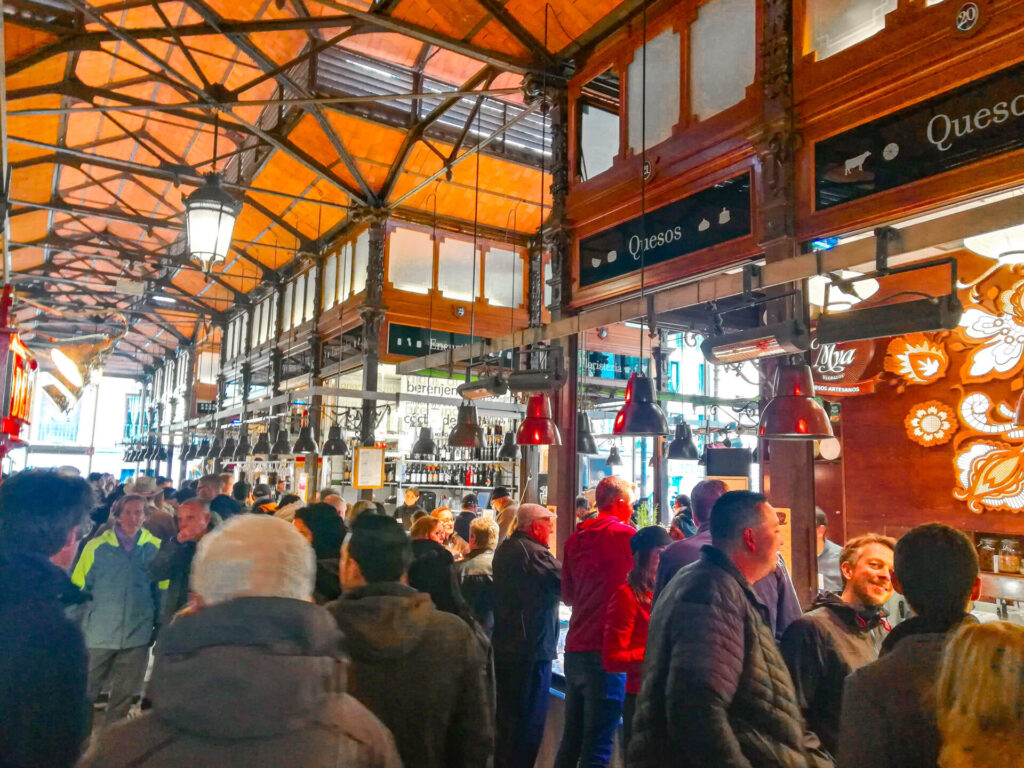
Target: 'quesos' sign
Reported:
[(709, 217), (962, 126)]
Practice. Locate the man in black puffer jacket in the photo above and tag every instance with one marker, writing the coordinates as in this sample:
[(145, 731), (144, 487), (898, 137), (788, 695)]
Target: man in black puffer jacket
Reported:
[(716, 691)]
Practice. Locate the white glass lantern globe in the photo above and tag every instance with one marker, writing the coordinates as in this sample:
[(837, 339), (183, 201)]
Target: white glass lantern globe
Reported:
[(210, 214)]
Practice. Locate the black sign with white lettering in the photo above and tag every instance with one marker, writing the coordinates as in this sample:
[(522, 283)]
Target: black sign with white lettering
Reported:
[(709, 217), (408, 340), (975, 121), (206, 407)]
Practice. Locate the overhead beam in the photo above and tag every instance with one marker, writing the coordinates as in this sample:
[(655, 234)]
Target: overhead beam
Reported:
[(515, 28)]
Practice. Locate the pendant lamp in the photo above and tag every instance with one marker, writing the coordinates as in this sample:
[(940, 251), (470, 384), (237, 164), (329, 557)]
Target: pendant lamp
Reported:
[(682, 447), (640, 416), (161, 451), (282, 444), (794, 414), (614, 460), (216, 446), (262, 447), (305, 443), (703, 460), (425, 445), (467, 432), (243, 449), (210, 214), (585, 443), (538, 428), (228, 451), (190, 451), (335, 443), (509, 450), (204, 449)]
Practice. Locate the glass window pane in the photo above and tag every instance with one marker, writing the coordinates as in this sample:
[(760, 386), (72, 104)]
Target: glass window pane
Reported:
[(289, 290), (455, 269), (411, 260), (330, 281), (265, 324), (723, 44), (662, 90), (361, 259), (298, 300), (344, 272), (503, 278), (272, 330), (599, 140), (257, 324), (311, 278), (547, 282), (836, 25)]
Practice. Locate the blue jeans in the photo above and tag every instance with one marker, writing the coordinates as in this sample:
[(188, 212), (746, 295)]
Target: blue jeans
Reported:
[(524, 690), (593, 708)]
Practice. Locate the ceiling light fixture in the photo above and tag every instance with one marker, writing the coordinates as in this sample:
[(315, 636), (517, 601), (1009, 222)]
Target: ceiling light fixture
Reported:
[(210, 214), (538, 428), (425, 445), (1004, 245), (585, 443), (614, 460), (788, 337), (793, 413), (682, 447)]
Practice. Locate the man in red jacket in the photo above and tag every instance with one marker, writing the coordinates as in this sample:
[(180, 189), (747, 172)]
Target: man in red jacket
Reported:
[(597, 559)]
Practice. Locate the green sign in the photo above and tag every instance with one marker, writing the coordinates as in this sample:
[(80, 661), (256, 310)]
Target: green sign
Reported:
[(410, 341)]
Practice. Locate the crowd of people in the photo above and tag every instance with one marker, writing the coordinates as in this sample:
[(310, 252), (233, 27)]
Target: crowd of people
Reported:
[(225, 624)]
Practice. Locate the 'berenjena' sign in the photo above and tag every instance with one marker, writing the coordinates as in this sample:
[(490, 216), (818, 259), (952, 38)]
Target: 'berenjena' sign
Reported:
[(709, 217), (975, 121)]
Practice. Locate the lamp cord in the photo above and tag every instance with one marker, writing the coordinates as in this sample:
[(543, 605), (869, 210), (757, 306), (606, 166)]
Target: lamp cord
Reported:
[(476, 220), (643, 175)]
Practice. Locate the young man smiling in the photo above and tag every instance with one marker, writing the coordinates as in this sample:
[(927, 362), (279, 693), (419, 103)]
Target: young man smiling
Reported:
[(840, 634)]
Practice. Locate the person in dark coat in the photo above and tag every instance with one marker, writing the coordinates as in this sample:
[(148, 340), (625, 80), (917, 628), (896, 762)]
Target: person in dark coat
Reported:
[(432, 569), (43, 663), (469, 512), (422, 671), (527, 585), (775, 591), (716, 691), (216, 490), (888, 713), (411, 505), (475, 573), (325, 530), (841, 633), (173, 563)]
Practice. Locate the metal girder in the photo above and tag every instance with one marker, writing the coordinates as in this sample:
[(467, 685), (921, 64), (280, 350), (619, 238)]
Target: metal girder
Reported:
[(515, 28), (603, 29), (110, 214)]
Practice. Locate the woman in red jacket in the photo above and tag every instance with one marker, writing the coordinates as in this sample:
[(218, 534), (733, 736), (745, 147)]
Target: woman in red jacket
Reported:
[(629, 613)]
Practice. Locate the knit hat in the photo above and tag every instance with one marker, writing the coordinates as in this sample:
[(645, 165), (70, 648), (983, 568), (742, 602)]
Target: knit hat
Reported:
[(649, 538), (253, 556)]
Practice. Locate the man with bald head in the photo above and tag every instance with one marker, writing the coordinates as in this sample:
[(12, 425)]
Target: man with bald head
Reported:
[(173, 563)]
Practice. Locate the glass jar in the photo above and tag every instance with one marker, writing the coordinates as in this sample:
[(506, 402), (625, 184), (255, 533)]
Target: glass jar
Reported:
[(987, 555), (1009, 556)]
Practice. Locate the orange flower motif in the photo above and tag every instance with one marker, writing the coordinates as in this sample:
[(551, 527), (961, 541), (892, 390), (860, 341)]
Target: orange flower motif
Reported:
[(991, 476), (916, 359), (930, 423)]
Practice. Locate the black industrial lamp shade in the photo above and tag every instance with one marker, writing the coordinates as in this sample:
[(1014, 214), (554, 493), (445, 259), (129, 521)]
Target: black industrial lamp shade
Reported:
[(282, 443), (509, 451), (243, 448), (640, 416), (305, 444), (262, 447), (794, 414), (216, 446), (228, 451), (585, 443), (538, 428), (425, 445), (210, 214), (682, 447), (190, 451), (335, 443), (161, 452), (467, 432), (614, 460)]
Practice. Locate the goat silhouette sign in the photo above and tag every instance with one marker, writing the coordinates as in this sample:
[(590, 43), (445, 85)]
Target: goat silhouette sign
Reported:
[(977, 120), (712, 216)]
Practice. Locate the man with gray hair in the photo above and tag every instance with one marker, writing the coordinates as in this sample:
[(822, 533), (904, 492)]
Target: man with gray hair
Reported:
[(173, 562), (527, 586), (475, 572), (256, 676)]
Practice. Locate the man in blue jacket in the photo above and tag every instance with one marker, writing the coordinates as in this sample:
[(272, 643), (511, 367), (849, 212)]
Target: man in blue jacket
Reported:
[(120, 621), (43, 711)]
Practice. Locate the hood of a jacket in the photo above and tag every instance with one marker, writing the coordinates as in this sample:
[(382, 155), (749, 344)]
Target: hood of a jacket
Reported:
[(383, 621), (249, 668), (864, 619), (924, 625)]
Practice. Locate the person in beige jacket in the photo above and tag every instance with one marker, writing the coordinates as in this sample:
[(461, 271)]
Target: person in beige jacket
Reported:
[(256, 677)]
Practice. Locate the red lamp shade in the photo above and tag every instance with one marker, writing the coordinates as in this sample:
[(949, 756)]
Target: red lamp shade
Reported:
[(640, 416), (794, 414), (538, 428)]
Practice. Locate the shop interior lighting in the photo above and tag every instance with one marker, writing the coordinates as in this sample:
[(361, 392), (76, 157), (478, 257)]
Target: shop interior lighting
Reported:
[(425, 445), (282, 443), (305, 443), (160, 454), (509, 450), (793, 413), (789, 337), (163, 299), (213, 452), (467, 432), (640, 416), (210, 214), (228, 451), (204, 449), (830, 449), (262, 447), (334, 445), (486, 386), (585, 443), (1004, 245), (682, 447), (538, 428), (614, 460), (244, 449)]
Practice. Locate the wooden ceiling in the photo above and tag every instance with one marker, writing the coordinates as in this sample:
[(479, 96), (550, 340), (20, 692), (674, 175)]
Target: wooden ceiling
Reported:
[(113, 110)]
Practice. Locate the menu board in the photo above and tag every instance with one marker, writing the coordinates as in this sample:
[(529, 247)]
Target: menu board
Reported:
[(368, 468)]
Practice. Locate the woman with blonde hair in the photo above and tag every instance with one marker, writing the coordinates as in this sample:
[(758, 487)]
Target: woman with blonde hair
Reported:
[(981, 697)]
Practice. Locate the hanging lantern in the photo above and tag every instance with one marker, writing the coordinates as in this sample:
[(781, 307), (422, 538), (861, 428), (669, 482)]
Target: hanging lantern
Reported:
[(614, 460), (425, 445), (210, 214), (335, 443), (509, 451), (793, 413), (640, 416), (538, 428), (467, 432), (585, 443), (682, 447)]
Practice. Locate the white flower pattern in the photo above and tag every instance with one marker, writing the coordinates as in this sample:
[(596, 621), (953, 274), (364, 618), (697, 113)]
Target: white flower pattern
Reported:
[(1003, 339)]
